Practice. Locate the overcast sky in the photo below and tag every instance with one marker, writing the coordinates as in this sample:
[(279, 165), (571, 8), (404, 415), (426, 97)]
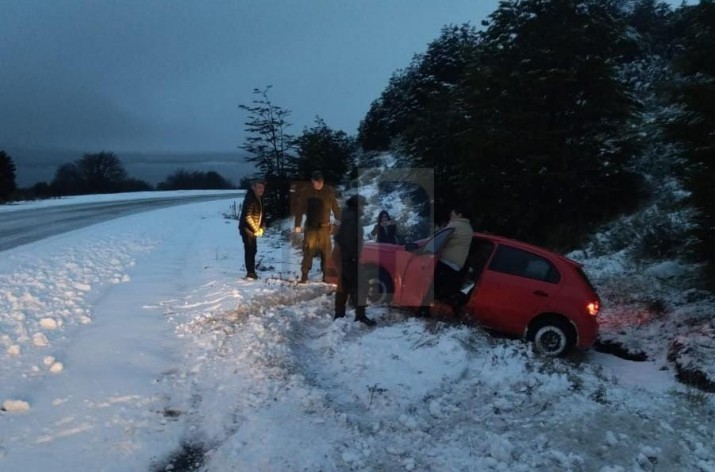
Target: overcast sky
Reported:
[(150, 75), (168, 75)]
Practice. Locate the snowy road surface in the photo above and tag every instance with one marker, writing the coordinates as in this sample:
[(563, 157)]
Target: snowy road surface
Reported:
[(25, 226)]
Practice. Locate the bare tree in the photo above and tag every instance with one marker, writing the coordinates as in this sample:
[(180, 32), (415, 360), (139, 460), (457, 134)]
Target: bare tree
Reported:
[(102, 172)]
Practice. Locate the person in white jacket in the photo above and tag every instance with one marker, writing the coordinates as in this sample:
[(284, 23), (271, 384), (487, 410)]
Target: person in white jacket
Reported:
[(447, 280)]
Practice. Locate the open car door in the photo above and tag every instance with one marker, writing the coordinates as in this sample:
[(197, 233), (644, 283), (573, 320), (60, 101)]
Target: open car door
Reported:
[(419, 270)]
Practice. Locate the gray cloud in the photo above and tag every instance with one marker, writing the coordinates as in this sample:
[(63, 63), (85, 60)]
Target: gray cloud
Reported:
[(160, 75)]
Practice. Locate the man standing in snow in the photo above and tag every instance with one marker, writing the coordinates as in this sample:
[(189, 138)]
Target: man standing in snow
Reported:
[(348, 245), (315, 203), (251, 224)]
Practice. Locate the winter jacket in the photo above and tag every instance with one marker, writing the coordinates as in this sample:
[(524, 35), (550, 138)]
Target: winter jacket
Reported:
[(385, 234), (316, 206), (252, 216), (349, 237), (456, 249)]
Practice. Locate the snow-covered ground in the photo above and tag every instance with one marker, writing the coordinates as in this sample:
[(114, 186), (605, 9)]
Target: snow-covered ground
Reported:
[(136, 345)]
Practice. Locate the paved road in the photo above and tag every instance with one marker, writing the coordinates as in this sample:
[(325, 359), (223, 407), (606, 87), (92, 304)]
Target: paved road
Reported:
[(25, 226)]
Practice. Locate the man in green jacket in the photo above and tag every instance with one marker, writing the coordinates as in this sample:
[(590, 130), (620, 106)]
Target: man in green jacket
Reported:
[(315, 203)]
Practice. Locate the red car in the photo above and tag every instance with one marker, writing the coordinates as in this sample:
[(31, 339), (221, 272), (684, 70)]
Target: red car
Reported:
[(509, 286)]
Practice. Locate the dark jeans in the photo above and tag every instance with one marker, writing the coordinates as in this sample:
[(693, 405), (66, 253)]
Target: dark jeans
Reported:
[(250, 247), (447, 283), (350, 287), (315, 241)]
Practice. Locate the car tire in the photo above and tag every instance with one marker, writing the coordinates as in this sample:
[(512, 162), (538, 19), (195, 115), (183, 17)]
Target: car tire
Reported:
[(553, 338), (379, 286)]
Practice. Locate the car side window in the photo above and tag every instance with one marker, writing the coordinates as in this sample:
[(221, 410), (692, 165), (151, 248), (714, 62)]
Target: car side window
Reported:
[(434, 245), (511, 260)]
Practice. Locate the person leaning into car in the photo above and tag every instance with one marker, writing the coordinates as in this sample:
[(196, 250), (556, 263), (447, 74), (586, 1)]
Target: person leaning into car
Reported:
[(251, 224), (453, 256)]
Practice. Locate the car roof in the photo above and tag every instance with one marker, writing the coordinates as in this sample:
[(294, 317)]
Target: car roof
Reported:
[(527, 247)]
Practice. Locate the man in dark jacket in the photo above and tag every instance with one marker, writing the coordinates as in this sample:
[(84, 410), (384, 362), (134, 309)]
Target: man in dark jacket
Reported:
[(315, 203), (251, 224), (348, 245)]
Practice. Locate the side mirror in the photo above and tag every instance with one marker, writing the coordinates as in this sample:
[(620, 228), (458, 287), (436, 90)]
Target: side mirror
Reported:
[(410, 247)]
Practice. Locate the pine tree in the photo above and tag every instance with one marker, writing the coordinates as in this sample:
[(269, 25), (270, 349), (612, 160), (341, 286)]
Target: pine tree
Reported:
[(415, 106), (549, 119), (322, 148), (270, 148), (8, 184), (695, 125)]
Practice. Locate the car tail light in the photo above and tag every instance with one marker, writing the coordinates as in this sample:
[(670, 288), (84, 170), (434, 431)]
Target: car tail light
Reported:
[(593, 308)]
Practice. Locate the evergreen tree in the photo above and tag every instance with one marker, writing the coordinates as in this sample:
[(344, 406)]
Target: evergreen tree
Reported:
[(270, 148), (547, 136), (324, 149), (416, 103), (694, 127), (8, 184)]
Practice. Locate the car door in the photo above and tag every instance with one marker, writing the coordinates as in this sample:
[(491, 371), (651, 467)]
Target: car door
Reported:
[(514, 288), (419, 270)]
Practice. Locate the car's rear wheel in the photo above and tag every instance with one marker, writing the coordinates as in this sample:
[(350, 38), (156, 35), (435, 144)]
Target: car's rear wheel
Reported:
[(553, 337), (379, 286)]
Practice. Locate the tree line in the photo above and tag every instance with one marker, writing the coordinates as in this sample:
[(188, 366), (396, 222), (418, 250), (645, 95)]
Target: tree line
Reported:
[(552, 119), (101, 172)]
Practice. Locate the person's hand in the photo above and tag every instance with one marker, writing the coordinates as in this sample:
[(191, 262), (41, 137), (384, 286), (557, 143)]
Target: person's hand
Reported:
[(297, 229), (259, 233)]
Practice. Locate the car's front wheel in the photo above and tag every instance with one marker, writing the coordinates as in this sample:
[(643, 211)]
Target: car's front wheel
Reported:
[(379, 286), (553, 337)]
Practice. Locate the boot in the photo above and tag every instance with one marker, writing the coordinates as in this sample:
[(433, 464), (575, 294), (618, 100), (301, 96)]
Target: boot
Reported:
[(365, 319), (303, 278), (339, 315)]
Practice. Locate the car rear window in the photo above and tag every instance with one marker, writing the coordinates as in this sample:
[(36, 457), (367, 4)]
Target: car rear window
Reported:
[(510, 260)]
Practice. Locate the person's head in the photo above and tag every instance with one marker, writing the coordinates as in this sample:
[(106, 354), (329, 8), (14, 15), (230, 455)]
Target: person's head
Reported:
[(459, 210), (383, 216), (316, 178), (259, 187), (356, 202)]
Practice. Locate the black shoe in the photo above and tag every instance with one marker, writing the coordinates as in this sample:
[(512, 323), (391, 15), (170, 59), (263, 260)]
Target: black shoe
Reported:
[(342, 315), (252, 275), (366, 320)]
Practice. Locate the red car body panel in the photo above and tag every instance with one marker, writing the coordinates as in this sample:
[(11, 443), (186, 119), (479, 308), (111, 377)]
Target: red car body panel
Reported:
[(505, 299)]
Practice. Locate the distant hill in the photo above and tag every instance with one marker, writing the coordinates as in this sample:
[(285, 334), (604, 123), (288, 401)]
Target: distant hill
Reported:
[(39, 165)]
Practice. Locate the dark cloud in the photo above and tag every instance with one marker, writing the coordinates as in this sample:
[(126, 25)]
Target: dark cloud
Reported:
[(160, 75)]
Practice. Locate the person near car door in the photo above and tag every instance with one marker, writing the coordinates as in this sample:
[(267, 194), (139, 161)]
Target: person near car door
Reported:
[(348, 245), (251, 224), (454, 253), (315, 203)]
